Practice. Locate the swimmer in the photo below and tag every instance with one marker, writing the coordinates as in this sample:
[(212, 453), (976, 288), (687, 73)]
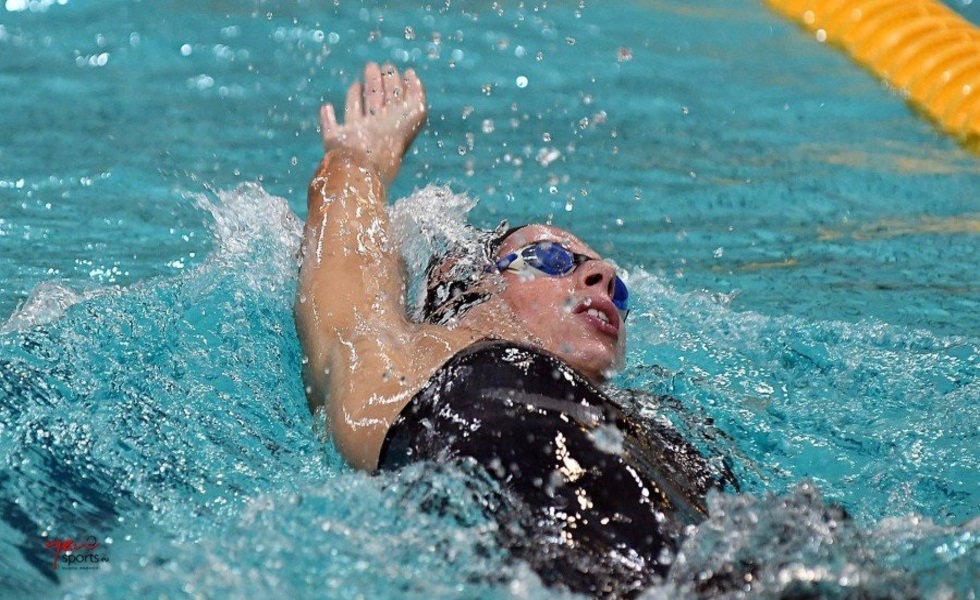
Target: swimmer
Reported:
[(506, 371)]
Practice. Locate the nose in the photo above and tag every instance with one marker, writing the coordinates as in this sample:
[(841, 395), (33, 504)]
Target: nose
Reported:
[(597, 274)]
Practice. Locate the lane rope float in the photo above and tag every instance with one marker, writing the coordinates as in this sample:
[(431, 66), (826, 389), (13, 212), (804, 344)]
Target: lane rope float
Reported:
[(922, 48)]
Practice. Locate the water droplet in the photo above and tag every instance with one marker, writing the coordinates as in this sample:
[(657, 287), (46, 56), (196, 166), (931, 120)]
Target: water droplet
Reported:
[(546, 156), (608, 438), (521, 82)]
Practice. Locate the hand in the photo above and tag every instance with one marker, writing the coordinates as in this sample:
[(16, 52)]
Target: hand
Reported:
[(381, 118)]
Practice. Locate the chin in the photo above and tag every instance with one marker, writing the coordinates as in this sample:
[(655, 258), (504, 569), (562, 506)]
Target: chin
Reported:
[(596, 364), (609, 370)]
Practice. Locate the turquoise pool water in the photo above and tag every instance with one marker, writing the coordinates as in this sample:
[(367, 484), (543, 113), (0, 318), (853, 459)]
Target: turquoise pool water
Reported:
[(801, 247)]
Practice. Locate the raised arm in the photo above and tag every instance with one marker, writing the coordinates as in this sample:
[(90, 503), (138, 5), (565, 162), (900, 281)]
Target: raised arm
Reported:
[(349, 309)]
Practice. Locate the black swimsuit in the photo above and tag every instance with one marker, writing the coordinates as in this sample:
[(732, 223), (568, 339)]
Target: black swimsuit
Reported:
[(600, 499)]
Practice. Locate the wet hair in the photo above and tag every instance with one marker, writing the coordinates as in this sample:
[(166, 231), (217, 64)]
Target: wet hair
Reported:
[(451, 277)]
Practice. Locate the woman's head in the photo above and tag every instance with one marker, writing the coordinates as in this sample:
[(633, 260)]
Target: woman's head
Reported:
[(569, 309), (572, 315), (455, 280)]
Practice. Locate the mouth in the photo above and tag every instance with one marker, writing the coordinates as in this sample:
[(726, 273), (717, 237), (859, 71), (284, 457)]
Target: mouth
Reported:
[(601, 314)]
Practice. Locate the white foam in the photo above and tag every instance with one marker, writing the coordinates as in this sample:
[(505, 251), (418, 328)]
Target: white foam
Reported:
[(426, 223), (46, 303), (255, 233), (428, 218), (249, 221)]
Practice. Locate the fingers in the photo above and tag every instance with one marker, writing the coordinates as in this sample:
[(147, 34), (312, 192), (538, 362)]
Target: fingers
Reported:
[(382, 86), (413, 86), (329, 129), (354, 106), (328, 118), (374, 91), (392, 82)]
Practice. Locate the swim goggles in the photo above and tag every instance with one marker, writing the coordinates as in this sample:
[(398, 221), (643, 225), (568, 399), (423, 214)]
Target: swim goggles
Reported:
[(551, 259)]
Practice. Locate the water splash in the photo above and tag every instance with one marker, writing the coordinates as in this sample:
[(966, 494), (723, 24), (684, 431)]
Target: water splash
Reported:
[(176, 398), (46, 303), (879, 416), (428, 223), (418, 532), (429, 219), (170, 416), (248, 221), (795, 545)]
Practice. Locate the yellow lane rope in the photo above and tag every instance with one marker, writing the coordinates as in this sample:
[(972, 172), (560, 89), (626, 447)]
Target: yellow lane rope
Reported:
[(922, 48)]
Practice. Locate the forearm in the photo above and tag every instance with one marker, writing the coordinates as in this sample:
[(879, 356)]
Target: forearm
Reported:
[(350, 267)]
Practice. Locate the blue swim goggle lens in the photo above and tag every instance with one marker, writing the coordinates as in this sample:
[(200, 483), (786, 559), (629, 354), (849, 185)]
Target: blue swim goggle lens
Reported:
[(554, 260)]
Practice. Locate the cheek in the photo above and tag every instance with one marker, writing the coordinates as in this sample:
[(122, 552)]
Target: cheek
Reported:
[(522, 303), (544, 309), (540, 301)]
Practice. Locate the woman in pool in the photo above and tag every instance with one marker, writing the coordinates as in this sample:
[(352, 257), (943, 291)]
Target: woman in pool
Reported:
[(505, 373)]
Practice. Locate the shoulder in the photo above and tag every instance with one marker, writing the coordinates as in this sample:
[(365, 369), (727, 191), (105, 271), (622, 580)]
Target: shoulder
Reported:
[(379, 374)]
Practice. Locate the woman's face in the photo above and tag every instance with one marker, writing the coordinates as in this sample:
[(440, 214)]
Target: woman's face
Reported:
[(571, 316)]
